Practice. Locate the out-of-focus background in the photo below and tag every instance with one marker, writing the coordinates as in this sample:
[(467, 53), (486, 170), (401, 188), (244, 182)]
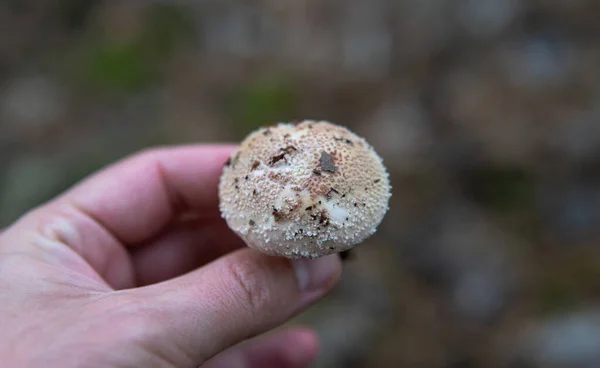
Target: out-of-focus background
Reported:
[(486, 112)]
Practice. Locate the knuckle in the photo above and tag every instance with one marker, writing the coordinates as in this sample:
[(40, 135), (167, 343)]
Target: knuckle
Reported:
[(149, 153), (249, 287)]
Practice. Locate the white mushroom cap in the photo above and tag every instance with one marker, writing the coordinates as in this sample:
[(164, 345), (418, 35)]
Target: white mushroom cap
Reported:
[(304, 190)]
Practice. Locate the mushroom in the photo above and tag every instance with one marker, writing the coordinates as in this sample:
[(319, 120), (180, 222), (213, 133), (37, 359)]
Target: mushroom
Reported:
[(304, 190)]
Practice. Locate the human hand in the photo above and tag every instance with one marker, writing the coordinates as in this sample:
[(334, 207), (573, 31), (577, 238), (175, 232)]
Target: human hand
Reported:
[(134, 267)]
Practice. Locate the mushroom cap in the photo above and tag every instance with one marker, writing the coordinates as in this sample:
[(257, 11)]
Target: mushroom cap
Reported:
[(304, 190)]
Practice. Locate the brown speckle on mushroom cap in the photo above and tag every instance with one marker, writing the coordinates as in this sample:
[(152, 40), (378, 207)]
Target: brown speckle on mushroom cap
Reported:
[(301, 186)]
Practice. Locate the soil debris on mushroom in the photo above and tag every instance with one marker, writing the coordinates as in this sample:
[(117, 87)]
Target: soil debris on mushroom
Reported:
[(327, 162)]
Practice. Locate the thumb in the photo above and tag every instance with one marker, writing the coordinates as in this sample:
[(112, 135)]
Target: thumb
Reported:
[(233, 298)]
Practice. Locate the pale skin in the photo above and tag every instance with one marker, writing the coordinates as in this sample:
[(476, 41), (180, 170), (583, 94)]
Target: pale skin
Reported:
[(133, 267)]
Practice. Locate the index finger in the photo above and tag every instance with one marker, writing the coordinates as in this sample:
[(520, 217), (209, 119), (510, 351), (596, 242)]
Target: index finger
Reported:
[(136, 199)]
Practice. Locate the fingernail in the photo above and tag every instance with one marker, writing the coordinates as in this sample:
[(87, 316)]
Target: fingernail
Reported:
[(315, 274)]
